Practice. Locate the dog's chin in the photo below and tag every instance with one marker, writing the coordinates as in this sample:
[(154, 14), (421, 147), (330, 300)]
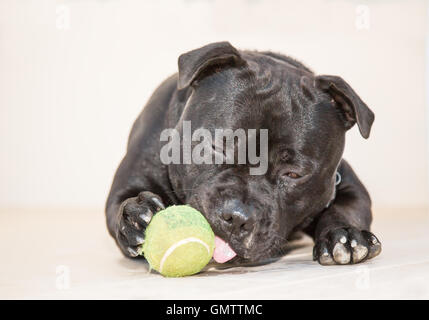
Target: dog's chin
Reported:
[(253, 256), (239, 261)]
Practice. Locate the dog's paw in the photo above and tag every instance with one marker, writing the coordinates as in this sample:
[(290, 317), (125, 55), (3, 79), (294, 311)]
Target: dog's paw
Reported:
[(134, 216), (346, 246)]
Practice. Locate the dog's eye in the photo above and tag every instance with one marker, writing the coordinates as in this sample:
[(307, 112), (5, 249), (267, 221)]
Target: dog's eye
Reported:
[(292, 175)]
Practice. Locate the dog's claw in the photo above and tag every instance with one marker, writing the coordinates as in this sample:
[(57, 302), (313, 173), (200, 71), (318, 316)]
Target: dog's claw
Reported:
[(375, 247), (322, 254), (346, 246), (146, 216), (341, 253), (133, 253), (159, 204)]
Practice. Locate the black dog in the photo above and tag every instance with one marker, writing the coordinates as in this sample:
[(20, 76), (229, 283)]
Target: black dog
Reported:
[(307, 117)]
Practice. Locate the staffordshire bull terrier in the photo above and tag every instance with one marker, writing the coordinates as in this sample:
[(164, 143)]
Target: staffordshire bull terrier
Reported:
[(302, 185)]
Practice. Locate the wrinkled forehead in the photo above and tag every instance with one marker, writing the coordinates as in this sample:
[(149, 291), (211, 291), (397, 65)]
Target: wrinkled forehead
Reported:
[(266, 94), (247, 92), (299, 116), (224, 100), (309, 129), (304, 121)]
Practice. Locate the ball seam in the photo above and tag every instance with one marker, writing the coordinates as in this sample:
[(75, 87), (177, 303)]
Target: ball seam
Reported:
[(171, 249)]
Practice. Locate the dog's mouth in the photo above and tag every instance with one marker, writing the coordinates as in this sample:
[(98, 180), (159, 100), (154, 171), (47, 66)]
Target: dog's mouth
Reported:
[(223, 251), (226, 257)]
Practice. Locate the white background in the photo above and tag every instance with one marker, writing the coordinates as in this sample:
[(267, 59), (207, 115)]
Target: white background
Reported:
[(75, 74)]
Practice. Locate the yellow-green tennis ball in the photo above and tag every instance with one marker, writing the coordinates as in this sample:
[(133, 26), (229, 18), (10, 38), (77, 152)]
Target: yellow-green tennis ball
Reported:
[(178, 242)]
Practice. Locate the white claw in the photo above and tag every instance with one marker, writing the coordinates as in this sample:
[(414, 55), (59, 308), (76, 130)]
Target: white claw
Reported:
[(326, 259), (341, 254), (359, 253), (343, 240), (132, 252), (139, 240), (146, 217)]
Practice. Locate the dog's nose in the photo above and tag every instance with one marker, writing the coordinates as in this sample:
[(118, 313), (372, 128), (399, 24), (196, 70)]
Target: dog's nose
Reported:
[(239, 216)]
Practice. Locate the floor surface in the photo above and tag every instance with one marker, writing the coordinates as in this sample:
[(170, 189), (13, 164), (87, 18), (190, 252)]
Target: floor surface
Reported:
[(68, 254)]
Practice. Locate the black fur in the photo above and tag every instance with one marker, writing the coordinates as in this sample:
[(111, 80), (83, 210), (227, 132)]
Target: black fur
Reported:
[(307, 116)]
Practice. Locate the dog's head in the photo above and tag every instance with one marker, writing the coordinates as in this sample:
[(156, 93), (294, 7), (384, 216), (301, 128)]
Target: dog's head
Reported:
[(305, 117)]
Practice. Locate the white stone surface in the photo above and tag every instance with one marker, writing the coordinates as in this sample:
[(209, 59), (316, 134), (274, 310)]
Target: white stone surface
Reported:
[(36, 244)]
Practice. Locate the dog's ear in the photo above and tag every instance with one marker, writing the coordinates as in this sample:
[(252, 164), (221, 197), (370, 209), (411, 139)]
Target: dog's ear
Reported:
[(192, 64), (352, 107)]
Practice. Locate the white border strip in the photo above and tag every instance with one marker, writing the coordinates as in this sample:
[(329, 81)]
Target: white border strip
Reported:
[(427, 91), (178, 244)]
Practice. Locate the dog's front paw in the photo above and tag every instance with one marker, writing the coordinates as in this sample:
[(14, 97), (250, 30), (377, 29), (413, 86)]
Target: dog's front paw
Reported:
[(346, 246), (134, 216)]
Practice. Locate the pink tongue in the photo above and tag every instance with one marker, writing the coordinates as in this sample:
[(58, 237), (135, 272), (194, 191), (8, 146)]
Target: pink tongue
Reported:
[(222, 252)]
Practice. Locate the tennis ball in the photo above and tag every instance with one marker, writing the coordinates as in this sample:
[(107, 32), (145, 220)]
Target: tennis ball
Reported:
[(178, 241)]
